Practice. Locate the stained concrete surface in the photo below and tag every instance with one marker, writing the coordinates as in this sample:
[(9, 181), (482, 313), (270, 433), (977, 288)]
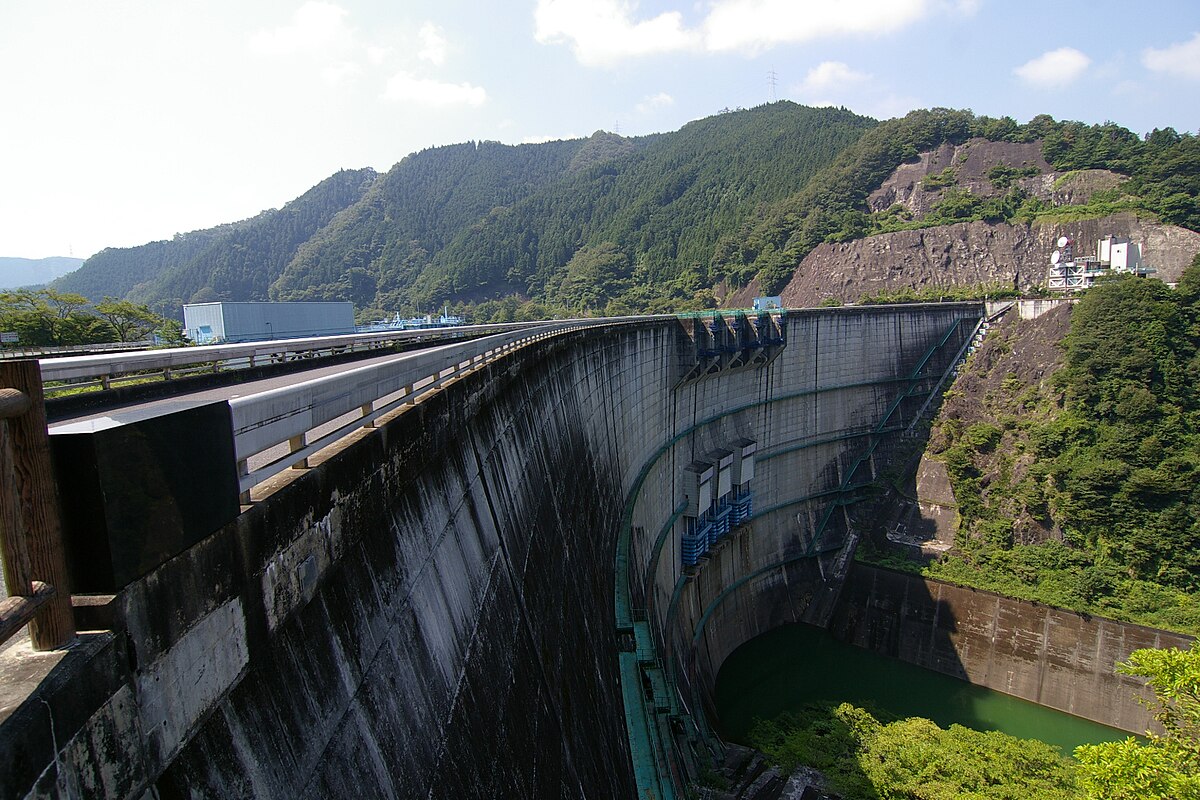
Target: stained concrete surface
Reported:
[(430, 611)]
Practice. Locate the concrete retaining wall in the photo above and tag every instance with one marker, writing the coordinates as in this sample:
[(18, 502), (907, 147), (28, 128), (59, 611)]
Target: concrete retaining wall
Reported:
[(430, 611), (1056, 658)]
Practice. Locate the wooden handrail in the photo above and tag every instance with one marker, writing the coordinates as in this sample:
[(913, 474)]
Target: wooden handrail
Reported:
[(19, 610), (31, 541)]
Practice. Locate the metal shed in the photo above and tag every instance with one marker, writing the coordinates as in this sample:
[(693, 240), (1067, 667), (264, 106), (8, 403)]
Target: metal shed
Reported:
[(207, 323)]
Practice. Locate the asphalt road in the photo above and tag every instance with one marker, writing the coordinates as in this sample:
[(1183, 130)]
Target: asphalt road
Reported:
[(163, 405)]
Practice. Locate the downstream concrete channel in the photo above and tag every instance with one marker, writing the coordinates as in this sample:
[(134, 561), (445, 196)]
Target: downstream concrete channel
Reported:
[(795, 668)]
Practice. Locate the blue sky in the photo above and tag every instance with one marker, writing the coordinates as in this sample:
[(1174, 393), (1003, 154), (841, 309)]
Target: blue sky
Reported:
[(126, 121)]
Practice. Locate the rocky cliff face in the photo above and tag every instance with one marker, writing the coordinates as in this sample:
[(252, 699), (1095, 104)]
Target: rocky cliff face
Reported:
[(972, 254), (968, 165)]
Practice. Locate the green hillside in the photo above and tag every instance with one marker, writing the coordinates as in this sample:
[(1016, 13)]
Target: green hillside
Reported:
[(616, 225), (231, 262), (652, 218), (413, 211), (1163, 172)]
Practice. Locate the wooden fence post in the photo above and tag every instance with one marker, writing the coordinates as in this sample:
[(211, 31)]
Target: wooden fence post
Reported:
[(37, 497)]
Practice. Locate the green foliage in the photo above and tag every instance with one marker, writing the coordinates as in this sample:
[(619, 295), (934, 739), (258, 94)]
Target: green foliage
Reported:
[(1167, 765), (593, 277), (863, 758), (937, 294), (1112, 463), (866, 759), (1002, 176), (916, 758), (45, 317), (941, 180), (129, 321)]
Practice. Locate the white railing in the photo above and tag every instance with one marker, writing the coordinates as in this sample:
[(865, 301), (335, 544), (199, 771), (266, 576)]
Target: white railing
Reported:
[(103, 369), (37, 351), (280, 428)]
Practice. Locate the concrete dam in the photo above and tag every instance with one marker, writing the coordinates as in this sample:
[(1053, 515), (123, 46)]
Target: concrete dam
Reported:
[(521, 586)]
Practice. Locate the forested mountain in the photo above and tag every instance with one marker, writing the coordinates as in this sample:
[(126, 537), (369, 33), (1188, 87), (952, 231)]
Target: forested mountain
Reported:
[(18, 272), (114, 271), (1158, 175), (465, 223), (642, 228), (230, 262), (726, 206), (414, 210)]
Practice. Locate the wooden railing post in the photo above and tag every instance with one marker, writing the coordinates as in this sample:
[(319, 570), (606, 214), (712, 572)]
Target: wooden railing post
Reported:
[(32, 489)]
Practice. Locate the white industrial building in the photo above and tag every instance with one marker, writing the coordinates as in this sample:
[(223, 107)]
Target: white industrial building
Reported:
[(1115, 255), (209, 323)]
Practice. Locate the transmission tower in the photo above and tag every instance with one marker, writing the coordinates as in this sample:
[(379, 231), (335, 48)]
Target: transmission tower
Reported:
[(773, 80)]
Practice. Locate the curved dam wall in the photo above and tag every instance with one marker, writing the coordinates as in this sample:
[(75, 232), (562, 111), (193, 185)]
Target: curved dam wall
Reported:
[(463, 602)]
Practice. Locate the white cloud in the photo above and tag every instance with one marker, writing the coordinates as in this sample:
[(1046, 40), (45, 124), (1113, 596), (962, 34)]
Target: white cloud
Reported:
[(377, 55), (891, 105), (314, 27), (550, 138), (1055, 69), (752, 25), (406, 87), (655, 102), (433, 44), (602, 32), (340, 72), (1181, 60), (830, 75)]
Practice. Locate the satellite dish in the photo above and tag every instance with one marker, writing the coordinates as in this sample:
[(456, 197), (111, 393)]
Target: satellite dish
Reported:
[(1055, 257), (1063, 241)]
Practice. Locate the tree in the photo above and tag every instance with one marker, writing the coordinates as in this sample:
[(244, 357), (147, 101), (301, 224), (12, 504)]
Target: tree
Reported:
[(131, 322), (864, 759), (47, 317), (915, 758), (1167, 766)]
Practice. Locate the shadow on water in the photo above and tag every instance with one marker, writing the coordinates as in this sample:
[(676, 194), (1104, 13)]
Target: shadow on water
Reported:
[(795, 667)]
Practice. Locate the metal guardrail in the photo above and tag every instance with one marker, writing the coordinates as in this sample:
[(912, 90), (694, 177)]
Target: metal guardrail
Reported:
[(9, 352), (312, 415), (296, 414), (103, 369)]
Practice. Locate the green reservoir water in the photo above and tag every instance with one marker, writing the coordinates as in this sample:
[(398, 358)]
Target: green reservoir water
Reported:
[(795, 665)]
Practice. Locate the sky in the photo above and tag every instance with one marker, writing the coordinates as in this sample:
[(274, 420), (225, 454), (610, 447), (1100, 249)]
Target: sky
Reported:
[(129, 121)]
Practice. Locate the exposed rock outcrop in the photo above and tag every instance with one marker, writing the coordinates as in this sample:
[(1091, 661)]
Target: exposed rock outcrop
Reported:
[(969, 164), (972, 254)]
